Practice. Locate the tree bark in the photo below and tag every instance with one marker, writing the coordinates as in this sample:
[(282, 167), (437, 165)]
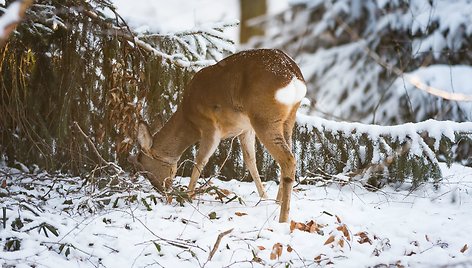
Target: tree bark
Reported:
[(251, 9)]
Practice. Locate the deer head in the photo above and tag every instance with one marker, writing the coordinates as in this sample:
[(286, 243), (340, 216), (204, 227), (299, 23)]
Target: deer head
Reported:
[(160, 170)]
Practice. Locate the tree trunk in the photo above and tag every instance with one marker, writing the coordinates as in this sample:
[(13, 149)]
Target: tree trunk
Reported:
[(251, 9)]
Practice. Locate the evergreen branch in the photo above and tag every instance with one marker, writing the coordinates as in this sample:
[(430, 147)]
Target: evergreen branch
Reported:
[(414, 80), (177, 59), (390, 153)]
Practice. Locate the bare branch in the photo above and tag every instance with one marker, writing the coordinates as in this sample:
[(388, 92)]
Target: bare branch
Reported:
[(217, 243), (90, 143)]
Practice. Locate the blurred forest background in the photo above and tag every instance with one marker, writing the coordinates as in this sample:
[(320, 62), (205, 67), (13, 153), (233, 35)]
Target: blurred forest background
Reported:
[(79, 61)]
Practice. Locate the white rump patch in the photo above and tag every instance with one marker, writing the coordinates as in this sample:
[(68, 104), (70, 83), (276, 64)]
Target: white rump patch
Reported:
[(292, 93)]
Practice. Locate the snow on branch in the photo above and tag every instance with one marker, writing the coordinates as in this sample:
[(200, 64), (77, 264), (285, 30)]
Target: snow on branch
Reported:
[(414, 80), (378, 154), (10, 19), (196, 48), (387, 40)]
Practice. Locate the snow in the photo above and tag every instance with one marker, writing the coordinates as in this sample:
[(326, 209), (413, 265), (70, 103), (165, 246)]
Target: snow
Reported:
[(422, 228), (10, 16), (173, 16)]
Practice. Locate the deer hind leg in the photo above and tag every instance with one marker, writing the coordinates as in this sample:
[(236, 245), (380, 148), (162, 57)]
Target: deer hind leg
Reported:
[(272, 136), (248, 144), (207, 147), (288, 131)]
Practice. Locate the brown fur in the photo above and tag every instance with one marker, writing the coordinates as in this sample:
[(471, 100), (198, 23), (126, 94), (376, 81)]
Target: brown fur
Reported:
[(235, 97)]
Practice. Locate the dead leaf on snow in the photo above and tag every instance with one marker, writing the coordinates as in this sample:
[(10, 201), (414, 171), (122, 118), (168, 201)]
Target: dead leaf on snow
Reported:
[(464, 248), (276, 251), (318, 258), (225, 191), (343, 228), (240, 213), (329, 240), (363, 238), (310, 227)]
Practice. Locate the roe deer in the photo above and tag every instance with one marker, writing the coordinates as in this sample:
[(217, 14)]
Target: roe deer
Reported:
[(251, 93)]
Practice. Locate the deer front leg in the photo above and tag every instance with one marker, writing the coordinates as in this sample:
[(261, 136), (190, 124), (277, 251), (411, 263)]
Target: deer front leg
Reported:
[(248, 143), (208, 145)]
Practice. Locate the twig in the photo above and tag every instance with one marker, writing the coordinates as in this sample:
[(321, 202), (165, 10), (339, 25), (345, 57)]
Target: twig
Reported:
[(112, 249), (89, 141), (217, 243), (102, 160)]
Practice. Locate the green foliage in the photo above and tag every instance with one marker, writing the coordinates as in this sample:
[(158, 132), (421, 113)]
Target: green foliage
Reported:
[(212, 215), (12, 244), (67, 247)]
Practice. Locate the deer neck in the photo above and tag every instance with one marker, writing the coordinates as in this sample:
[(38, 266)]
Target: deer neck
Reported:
[(174, 137)]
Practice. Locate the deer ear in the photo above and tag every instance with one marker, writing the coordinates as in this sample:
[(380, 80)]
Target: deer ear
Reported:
[(144, 136)]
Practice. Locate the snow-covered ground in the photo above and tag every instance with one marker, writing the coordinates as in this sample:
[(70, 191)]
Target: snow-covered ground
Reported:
[(351, 226)]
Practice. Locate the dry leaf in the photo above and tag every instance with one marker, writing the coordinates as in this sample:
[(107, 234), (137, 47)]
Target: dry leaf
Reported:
[(240, 213), (292, 225), (314, 228), (464, 248), (276, 251), (297, 225), (261, 247), (344, 230), (289, 248), (341, 243), (399, 264), (311, 226), (4, 184), (225, 191), (329, 240), (318, 258), (363, 238)]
